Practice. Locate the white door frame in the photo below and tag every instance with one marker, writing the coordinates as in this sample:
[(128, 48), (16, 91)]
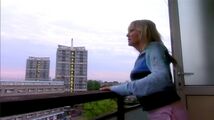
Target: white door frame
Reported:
[(179, 73)]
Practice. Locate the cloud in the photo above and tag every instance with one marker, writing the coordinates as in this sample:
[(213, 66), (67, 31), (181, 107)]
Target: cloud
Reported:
[(8, 74), (109, 76), (36, 27)]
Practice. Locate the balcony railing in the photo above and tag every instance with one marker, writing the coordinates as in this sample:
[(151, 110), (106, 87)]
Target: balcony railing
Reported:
[(15, 105)]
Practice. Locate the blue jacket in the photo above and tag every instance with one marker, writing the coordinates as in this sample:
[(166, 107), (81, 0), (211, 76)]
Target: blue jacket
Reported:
[(151, 78)]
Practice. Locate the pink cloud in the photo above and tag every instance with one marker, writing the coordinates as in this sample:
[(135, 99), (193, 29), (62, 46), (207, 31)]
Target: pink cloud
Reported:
[(19, 74), (109, 76), (12, 74)]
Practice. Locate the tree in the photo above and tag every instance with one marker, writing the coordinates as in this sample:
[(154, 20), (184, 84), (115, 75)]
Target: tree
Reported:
[(93, 85), (97, 108)]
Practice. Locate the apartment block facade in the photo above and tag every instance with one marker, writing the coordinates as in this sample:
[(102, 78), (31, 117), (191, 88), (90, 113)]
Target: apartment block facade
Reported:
[(16, 88), (37, 68), (71, 67)]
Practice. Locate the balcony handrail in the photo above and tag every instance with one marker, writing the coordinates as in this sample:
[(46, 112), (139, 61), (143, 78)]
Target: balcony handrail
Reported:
[(14, 105)]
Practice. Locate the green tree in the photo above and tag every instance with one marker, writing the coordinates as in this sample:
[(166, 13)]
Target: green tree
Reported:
[(93, 85), (97, 108)]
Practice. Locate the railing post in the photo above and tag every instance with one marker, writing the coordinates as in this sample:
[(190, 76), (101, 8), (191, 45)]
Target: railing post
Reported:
[(120, 108)]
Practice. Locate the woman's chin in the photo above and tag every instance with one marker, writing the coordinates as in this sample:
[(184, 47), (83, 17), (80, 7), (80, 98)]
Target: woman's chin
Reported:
[(130, 44)]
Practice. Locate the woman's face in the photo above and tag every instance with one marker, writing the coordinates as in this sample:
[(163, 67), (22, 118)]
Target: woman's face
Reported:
[(134, 36)]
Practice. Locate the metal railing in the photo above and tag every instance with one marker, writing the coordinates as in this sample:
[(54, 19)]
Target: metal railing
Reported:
[(14, 105)]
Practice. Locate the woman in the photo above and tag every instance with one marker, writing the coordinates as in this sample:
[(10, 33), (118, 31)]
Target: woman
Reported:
[(151, 76)]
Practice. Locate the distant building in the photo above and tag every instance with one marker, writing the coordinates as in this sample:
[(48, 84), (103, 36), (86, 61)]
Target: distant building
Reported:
[(51, 114), (15, 88), (37, 68), (71, 67)]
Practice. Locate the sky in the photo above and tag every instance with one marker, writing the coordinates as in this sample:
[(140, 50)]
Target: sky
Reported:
[(37, 27)]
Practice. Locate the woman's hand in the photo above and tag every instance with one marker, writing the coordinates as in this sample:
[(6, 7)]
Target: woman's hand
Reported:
[(105, 89)]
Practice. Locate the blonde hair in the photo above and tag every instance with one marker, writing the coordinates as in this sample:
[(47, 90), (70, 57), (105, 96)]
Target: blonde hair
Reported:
[(149, 32)]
